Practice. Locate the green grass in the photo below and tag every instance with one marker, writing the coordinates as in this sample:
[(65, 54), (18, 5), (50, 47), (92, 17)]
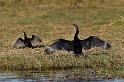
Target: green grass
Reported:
[(53, 21), (33, 59)]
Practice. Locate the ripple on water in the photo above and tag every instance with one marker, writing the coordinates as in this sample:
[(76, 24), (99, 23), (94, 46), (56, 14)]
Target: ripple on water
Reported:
[(54, 76)]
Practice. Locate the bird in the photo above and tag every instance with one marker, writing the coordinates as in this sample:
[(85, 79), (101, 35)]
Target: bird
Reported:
[(76, 45), (27, 41), (32, 42), (68, 45)]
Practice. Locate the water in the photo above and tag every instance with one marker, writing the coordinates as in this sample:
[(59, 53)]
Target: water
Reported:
[(56, 76)]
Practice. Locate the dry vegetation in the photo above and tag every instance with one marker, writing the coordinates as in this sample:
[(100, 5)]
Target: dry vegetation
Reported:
[(52, 19)]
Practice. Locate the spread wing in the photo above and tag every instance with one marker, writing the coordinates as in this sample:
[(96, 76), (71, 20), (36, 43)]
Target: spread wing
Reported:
[(19, 43), (85, 44), (36, 41), (97, 42), (60, 44), (94, 41)]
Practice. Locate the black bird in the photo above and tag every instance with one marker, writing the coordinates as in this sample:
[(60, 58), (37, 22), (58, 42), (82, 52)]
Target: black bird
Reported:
[(77, 45), (32, 42), (62, 44), (27, 41), (77, 42)]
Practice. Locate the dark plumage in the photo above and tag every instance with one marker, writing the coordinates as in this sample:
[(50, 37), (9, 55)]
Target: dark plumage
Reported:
[(19, 43), (32, 42), (62, 44), (77, 42), (77, 45), (94, 41), (27, 41)]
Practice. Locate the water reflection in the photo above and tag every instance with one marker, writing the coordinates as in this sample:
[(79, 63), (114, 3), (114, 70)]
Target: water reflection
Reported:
[(56, 76)]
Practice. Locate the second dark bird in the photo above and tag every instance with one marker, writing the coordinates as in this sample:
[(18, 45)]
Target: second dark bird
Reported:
[(32, 42)]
